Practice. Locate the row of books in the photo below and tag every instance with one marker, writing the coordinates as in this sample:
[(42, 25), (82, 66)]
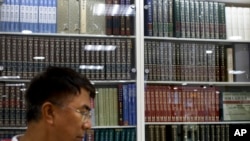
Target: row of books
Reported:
[(238, 22), (12, 105), (164, 103), (169, 103), (173, 61), (185, 19), (127, 134), (38, 16), (97, 58), (200, 132), (121, 107), (111, 17)]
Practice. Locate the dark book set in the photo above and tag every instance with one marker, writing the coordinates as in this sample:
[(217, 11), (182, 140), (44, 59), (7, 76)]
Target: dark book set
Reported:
[(185, 19), (89, 56)]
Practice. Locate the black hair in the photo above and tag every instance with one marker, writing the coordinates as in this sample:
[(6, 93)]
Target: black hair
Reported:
[(53, 85)]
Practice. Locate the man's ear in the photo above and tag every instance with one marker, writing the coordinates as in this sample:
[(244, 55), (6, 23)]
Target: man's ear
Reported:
[(48, 112)]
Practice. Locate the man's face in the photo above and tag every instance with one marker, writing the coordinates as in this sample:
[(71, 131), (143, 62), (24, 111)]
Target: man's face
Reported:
[(70, 124)]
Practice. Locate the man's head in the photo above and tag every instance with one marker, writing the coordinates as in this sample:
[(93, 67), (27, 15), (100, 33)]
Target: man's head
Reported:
[(60, 98)]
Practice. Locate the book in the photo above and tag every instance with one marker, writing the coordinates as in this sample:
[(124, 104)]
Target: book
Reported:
[(94, 22), (73, 15), (108, 18), (230, 65), (235, 106), (241, 56), (63, 16), (148, 18)]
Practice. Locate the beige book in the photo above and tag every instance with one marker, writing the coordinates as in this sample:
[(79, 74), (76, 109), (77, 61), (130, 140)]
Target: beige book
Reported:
[(62, 16), (92, 16), (74, 15)]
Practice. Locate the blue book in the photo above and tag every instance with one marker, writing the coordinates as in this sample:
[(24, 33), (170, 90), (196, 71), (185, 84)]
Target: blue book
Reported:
[(30, 5), (16, 15), (130, 105), (22, 14), (133, 103), (35, 16), (8, 16), (54, 16), (41, 16), (3, 17), (125, 105), (49, 16), (148, 18), (45, 13)]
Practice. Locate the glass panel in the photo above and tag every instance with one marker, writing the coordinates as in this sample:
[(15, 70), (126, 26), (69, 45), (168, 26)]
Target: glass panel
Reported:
[(94, 37), (196, 61), (99, 17)]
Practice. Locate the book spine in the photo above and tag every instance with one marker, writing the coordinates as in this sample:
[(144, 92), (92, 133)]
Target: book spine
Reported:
[(118, 60), (30, 53), (97, 60), (202, 19), (160, 17), (187, 19), (225, 32), (192, 18), (116, 20), (125, 104), (83, 16), (113, 60), (12, 104), (53, 43), (206, 20), (129, 59), (165, 10), (230, 64), (177, 19), (197, 19), (170, 19), (108, 61), (63, 15), (91, 59), (82, 56), (74, 14), (19, 56), (72, 53), (3, 17), (102, 60), (57, 56), (8, 55), (211, 20), (216, 20), (16, 15), (182, 19), (35, 53), (120, 104), (155, 18), (44, 45), (122, 18), (109, 21)]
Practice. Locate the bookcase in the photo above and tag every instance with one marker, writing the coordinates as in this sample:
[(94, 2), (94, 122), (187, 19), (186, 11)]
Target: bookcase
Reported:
[(196, 82), (173, 69)]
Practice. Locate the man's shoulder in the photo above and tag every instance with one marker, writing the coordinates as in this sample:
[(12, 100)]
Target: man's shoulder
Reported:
[(15, 138)]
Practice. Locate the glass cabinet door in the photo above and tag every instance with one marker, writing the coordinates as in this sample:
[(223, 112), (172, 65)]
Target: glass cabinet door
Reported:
[(96, 38), (196, 64)]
